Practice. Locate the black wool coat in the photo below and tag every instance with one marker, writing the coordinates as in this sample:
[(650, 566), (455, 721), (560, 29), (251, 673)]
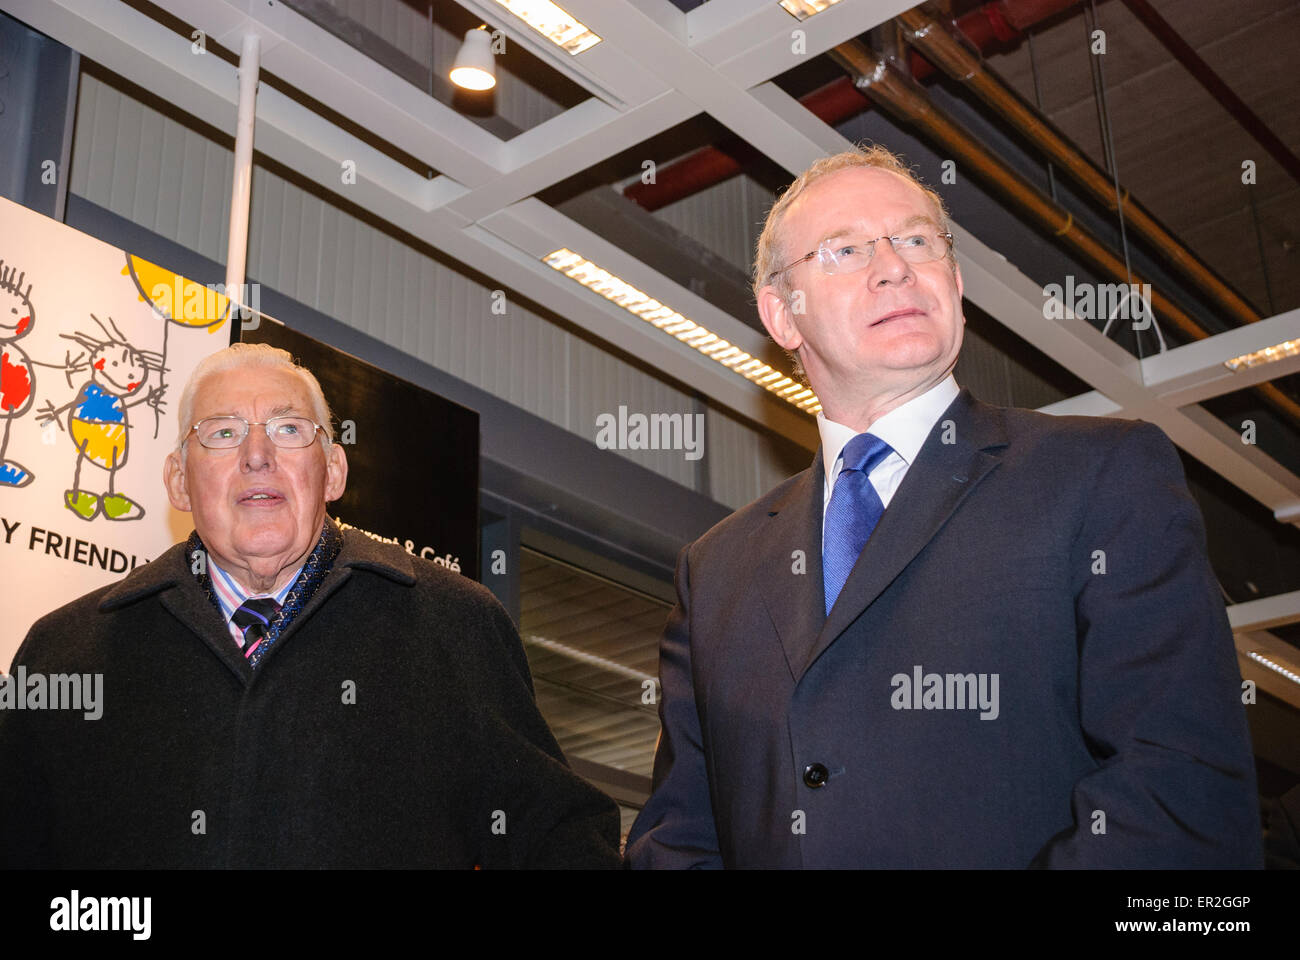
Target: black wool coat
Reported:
[(392, 724)]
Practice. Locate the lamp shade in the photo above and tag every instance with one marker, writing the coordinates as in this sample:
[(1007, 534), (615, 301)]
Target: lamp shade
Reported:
[(474, 68)]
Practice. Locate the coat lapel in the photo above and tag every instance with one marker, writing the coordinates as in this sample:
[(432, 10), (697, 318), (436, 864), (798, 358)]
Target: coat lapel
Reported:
[(359, 552), (795, 602), (941, 477), (170, 577)]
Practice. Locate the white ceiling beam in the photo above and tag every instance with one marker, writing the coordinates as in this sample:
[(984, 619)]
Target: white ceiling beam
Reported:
[(567, 144), (1195, 371), (346, 80), (521, 271), (1016, 300), (136, 47), (1264, 644), (819, 137), (530, 230), (543, 229), (1266, 612), (1090, 404), (753, 43), (603, 70), (640, 36), (291, 134)]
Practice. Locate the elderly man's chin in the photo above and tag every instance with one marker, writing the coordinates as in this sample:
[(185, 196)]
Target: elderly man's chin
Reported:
[(272, 540)]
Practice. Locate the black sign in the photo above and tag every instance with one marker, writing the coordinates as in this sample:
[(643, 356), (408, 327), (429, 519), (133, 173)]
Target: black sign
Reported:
[(412, 455)]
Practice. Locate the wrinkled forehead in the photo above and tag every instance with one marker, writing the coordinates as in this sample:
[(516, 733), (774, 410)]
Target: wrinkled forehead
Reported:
[(868, 199), (252, 392)]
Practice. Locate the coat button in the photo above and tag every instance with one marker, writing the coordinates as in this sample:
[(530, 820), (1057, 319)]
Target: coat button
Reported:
[(815, 774)]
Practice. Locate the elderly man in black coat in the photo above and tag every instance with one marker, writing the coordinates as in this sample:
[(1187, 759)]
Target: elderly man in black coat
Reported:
[(281, 693)]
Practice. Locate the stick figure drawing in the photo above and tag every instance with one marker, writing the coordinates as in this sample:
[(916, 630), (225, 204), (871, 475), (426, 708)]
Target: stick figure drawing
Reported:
[(98, 421), (17, 378), (17, 369)]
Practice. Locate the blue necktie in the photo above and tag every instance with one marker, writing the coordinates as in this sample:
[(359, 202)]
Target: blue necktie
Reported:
[(853, 512)]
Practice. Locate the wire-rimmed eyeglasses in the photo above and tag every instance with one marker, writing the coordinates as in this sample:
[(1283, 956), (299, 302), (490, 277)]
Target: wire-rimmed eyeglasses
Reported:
[(851, 254), (225, 433)]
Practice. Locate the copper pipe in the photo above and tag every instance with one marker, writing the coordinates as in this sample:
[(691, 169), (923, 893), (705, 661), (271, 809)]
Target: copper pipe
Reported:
[(906, 100), (994, 25), (960, 64)]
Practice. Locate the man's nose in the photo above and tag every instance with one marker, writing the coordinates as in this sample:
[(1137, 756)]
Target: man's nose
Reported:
[(887, 266), (257, 450)]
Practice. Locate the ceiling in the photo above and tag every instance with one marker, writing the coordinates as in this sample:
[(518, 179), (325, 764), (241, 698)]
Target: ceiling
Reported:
[(498, 183)]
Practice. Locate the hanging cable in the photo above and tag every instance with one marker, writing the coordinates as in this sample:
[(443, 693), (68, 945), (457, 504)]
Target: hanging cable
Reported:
[(1112, 165), (1259, 243), (1038, 102)]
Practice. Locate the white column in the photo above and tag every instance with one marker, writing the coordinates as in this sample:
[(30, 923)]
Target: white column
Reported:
[(242, 187)]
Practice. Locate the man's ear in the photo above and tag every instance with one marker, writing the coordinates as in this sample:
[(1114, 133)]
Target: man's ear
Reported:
[(336, 472), (956, 272), (174, 481), (779, 319)]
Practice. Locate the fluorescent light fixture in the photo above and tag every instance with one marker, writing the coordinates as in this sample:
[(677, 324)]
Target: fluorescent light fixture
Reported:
[(803, 9), (642, 305), (1279, 351), (555, 24), (1275, 667)]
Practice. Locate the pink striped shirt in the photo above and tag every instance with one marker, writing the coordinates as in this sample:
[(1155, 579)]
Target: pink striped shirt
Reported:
[(231, 596)]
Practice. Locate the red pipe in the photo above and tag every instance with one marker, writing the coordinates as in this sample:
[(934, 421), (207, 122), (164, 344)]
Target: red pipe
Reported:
[(988, 27)]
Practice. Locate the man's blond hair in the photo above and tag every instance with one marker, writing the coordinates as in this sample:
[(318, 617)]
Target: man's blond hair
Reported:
[(771, 253)]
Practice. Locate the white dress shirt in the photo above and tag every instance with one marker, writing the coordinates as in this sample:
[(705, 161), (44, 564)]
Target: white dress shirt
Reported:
[(904, 428)]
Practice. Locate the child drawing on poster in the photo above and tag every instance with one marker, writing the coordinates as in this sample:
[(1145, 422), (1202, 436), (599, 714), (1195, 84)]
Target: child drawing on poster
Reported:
[(17, 369), (97, 419)]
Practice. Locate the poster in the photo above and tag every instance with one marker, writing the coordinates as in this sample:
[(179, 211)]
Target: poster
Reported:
[(412, 455), (95, 348)]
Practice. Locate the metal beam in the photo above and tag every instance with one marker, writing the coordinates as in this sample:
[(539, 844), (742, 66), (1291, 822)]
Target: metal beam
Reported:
[(1195, 372), (486, 177), (1017, 301), (1253, 644), (1265, 613)]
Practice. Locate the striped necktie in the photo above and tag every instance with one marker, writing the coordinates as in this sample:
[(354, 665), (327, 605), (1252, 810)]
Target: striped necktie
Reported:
[(254, 618), (852, 514)]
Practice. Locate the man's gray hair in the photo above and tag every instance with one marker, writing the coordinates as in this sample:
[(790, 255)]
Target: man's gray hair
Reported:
[(241, 356)]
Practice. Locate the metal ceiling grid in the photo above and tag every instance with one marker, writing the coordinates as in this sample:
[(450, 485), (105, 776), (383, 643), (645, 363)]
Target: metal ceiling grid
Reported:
[(653, 70)]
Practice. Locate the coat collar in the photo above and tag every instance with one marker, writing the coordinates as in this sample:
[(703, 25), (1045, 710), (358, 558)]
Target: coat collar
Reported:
[(961, 449), (170, 576), (173, 567)]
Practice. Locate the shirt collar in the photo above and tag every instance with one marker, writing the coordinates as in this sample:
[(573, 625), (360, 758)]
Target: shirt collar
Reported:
[(231, 595), (904, 428)]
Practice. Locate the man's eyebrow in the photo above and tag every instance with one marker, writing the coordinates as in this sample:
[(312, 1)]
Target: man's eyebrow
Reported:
[(918, 220), (912, 221), (282, 410)]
